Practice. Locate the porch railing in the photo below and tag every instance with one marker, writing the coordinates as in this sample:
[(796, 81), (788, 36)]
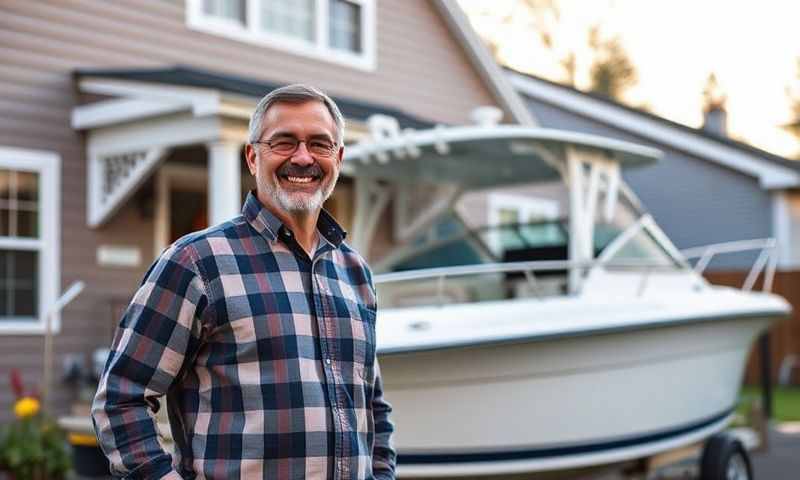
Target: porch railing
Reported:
[(767, 258)]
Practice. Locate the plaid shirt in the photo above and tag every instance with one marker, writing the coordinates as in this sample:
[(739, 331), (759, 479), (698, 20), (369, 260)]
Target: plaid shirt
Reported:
[(266, 358)]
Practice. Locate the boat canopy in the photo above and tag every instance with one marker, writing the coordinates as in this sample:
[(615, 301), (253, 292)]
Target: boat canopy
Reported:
[(422, 173), (476, 157)]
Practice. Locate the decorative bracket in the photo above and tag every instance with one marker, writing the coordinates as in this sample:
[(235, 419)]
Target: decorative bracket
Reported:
[(113, 177)]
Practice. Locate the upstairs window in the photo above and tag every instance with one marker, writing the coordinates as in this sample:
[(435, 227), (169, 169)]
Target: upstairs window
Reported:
[(225, 10), (292, 18), (345, 25), (340, 31)]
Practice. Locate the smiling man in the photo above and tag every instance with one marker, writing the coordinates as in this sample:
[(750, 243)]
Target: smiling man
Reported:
[(260, 331)]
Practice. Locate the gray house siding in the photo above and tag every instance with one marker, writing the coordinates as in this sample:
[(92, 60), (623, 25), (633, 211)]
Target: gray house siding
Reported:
[(695, 201)]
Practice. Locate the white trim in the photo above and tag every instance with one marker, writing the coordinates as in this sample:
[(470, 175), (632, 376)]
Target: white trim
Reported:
[(224, 180), (769, 175), (782, 232), (482, 60), (48, 166), (109, 112), (319, 49), (204, 101), (165, 132), (20, 243)]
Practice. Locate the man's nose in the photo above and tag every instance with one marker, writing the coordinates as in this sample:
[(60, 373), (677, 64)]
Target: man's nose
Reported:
[(302, 155)]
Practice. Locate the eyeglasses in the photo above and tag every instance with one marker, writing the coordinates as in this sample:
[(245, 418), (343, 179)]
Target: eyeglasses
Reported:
[(286, 146)]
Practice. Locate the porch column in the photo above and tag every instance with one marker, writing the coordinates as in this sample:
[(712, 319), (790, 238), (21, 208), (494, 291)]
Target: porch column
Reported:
[(224, 181)]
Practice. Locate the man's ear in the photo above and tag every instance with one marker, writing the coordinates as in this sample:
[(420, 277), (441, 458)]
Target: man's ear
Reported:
[(250, 157), (340, 156)]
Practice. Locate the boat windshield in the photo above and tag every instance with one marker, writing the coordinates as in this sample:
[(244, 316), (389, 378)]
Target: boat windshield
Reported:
[(454, 242)]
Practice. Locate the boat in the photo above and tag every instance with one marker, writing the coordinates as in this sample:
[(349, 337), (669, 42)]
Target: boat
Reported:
[(568, 345)]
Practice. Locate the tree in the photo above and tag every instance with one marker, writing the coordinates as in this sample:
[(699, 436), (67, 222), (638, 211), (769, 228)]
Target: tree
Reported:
[(603, 68), (612, 71)]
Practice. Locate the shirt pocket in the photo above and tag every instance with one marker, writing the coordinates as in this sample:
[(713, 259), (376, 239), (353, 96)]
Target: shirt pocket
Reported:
[(363, 327)]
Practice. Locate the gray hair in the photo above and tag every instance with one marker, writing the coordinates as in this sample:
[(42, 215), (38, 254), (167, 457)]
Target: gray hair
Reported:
[(296, 93)]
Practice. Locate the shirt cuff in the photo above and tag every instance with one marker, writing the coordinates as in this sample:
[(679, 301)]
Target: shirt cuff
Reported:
[(160, 467), (172, 475)]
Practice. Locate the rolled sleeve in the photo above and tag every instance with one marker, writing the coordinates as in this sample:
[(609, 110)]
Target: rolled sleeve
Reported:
[(158, 331)]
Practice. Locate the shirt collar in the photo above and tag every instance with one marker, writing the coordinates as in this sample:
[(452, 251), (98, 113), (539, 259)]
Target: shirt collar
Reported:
[(268, 225)]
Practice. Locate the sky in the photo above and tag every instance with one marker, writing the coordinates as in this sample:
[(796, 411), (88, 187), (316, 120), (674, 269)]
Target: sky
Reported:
[(752, 47)]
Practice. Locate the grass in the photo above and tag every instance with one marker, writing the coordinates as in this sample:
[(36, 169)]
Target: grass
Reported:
[(785, 402)]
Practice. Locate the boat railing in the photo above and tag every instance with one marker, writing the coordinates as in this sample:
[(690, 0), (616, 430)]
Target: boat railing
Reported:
[(766, 261), (527, 268)]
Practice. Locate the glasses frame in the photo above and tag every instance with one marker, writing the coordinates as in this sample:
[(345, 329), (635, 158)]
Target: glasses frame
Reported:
[(268, 143)]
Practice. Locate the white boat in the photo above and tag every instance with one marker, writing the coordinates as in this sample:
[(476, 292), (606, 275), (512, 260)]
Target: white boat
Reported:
[(612, 348)]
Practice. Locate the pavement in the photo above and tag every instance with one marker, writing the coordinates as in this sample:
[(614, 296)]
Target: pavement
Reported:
[(781, 460)]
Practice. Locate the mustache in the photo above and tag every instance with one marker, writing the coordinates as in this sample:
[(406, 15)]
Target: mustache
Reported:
[(292, 170)]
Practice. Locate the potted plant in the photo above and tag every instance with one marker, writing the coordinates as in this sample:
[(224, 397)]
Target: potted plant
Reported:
[(32, 446)]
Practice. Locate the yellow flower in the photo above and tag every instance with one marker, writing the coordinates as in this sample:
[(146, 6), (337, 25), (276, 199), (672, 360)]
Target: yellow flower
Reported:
[(26, 407)]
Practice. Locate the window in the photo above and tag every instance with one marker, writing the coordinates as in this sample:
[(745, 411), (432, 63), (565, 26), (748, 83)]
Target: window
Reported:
[(341, 31), (643, 247), (29, 225), (292, 18), (226, 10), (345, 29)]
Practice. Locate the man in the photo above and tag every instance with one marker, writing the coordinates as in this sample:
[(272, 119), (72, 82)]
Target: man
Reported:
[(260, 331)]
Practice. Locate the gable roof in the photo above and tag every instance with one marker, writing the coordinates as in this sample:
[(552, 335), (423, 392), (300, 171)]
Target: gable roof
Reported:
[(772, 171), (482, 60), (194, 77)]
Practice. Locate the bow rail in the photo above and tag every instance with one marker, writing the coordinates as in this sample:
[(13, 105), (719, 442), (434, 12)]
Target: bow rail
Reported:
[(767, 258)]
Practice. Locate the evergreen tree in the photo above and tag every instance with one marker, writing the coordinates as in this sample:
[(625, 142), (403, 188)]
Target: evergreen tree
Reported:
[(612, 71)]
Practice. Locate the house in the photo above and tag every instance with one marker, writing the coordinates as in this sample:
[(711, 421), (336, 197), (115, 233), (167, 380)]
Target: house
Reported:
[(707, 189), (123, 127)]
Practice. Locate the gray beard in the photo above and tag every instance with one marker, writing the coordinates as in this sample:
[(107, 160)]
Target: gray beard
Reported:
[(299, 203)]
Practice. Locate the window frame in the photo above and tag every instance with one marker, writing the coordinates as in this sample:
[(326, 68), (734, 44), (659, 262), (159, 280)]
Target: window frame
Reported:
[(319, 49), (48, 166)]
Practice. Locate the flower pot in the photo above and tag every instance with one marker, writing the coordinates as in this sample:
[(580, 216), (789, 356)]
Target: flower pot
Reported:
[(87, 458)]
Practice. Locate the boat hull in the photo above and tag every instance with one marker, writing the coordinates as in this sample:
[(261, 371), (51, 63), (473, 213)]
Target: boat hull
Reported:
[(551, 404)]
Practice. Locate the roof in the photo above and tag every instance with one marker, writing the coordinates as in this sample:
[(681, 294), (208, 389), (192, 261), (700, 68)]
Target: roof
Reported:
[(482, 60), (732, 153), (194, 77)]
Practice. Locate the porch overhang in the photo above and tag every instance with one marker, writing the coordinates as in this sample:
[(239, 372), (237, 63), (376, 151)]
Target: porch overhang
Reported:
[(143, 114), (130, 134)]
